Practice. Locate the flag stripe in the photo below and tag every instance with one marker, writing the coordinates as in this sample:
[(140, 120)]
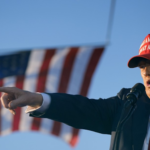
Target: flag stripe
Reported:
[(66, 132), (64, 80), (16, 117), (46, 125), (90, 70), (52, 82), (86, 82), (7, 117), (55, 70), (30, 82), (41, 82), (75, 137), (79, 68), (1, 84), (67, 69), (76, 79)]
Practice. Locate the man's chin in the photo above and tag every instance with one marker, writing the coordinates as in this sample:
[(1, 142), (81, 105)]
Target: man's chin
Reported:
[(147, 88)]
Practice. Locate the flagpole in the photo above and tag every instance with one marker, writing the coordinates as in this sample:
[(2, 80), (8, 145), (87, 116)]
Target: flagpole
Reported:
[(110, 21)]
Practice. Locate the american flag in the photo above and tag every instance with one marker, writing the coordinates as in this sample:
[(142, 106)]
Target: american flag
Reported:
[(63, 70)]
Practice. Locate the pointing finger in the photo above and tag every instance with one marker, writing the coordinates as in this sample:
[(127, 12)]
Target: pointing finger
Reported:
[(5, 89), (10, 90)]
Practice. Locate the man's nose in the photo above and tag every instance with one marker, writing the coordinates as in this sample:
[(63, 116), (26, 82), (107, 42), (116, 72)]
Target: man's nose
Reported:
[(147, 71)]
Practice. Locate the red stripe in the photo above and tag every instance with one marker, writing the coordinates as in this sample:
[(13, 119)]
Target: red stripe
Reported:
[(75, 137), (64, 80), (67, 69), (16, 117), (97, 53), (41, 82), (1, 84)]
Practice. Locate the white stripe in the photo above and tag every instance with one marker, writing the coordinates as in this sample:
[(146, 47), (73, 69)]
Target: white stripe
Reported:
[(46, 125), (55, 69), (66, 132), (7, 117), (32, 72), (52, 83), (30, 82), (76, 80), (79, 69)]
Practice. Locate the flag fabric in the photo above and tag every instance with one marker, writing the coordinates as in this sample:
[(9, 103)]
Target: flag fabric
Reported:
[(63, 70)]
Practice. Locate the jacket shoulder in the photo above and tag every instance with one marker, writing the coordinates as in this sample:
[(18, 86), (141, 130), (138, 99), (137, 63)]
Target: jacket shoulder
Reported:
[(122, 93)]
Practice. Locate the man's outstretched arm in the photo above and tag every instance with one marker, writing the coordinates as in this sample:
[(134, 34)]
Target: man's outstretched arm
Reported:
[(74, 110)]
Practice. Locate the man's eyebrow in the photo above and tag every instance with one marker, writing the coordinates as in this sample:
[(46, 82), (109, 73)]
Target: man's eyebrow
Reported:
[(141, 63)]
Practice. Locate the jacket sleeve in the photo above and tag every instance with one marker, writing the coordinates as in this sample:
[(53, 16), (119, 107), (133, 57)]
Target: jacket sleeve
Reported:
[(81, 112)]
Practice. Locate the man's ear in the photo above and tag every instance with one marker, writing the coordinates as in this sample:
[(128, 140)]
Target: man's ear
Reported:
[(141, 73)]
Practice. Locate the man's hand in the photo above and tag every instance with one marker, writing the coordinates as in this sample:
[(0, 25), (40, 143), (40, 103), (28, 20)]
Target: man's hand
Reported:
[(14, 97)]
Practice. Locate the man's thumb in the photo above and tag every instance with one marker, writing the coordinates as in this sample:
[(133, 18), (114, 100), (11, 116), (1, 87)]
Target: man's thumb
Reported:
[(19, 102), (12, 105)]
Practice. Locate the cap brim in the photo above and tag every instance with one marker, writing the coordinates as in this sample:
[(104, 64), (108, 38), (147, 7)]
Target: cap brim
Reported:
[(134, 61)]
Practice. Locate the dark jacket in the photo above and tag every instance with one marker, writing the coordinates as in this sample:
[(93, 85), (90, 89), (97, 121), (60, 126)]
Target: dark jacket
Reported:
[(101, 116)]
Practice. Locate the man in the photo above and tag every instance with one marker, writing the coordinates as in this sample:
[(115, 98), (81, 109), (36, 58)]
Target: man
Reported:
[(96, 115)]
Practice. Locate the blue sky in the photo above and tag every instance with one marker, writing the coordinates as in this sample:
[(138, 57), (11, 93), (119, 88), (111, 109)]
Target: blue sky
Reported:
[(44, 23)]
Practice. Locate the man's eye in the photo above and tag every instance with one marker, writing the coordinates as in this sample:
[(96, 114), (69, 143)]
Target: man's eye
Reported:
[(142, 66)]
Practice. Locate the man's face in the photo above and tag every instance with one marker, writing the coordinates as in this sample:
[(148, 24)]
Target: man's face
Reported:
[(144, 66)]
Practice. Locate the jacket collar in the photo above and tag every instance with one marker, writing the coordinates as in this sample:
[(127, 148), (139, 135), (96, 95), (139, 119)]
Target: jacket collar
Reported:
[(140, 121)]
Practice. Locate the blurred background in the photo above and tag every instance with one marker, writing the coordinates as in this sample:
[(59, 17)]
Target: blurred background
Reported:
[(48, 24)]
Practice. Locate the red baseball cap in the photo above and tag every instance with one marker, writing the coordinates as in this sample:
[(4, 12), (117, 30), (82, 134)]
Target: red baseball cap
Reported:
[(144, 52)]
